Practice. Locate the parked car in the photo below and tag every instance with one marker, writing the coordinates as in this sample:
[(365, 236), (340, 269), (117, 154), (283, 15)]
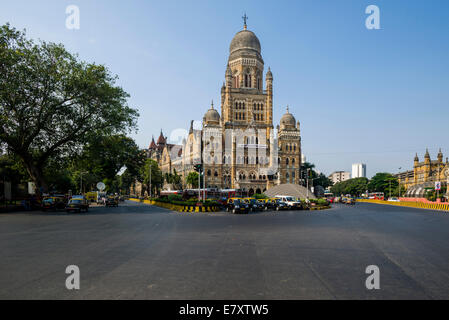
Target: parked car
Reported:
[(394, 199), (347, 200), (112, 202), (254, 204), (280, 205), (53, 203), (291, 203), (269, 204), (236, 205), (77, 204)]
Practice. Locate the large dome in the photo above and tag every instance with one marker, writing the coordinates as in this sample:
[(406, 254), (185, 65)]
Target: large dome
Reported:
[(245, 40), (212, 116), (288, 121)]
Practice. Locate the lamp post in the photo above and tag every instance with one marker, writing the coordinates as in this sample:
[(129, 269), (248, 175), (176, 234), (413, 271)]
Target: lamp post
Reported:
[(81, 178), (150, 193)]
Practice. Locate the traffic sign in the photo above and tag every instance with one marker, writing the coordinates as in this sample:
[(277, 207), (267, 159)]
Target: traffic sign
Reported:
[(101, 186), (437, 185)]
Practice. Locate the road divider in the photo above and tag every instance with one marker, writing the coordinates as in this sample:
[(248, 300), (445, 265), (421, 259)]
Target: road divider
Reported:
[(177, 207), (419, 205)]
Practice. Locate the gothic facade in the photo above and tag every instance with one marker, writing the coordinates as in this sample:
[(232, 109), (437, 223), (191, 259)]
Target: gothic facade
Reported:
[(239, 147)]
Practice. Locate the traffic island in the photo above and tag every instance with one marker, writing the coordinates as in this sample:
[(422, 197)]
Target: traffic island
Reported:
[(178, 207)]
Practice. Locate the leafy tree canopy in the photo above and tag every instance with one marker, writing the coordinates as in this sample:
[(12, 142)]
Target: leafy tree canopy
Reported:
[(51, 103)]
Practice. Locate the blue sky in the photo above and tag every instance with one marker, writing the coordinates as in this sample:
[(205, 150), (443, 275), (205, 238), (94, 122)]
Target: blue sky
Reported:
[(371, 96)]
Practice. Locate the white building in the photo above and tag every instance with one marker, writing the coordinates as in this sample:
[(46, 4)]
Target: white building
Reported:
[(358, 170), (339, 176)]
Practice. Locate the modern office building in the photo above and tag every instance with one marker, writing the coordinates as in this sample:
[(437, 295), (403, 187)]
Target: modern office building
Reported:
[(358, 170)]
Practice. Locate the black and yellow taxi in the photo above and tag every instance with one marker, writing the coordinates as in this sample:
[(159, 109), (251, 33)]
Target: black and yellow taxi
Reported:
[(53, 203), (77, 204), (236, 205), (254, 204), (112, 201)]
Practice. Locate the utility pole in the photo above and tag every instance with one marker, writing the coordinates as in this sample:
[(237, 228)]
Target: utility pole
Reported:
[(199, 185), (204, 186), (150, 180), (308, 183), (81, 177)]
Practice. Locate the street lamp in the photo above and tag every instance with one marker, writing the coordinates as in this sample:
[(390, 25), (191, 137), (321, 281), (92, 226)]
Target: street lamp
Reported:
[(81, 177)]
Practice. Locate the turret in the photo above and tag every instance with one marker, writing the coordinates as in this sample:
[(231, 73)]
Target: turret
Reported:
[(269, 86), (440, 156), (427, 157)]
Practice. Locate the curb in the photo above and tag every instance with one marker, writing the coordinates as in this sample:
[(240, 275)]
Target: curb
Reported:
[(418, 205)]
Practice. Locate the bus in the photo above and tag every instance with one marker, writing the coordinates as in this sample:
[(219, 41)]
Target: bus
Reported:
[(376, 196), (329, 196)]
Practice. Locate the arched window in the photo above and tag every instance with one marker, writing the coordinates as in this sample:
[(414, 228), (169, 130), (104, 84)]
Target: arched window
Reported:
[(257, 140), (286, 161), (279, 160), (287, 176), (208, 172), (293, 161), (216, 174)]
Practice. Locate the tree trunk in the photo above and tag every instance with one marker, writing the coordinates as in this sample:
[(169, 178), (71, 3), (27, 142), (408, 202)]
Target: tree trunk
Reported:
[(37, 176)]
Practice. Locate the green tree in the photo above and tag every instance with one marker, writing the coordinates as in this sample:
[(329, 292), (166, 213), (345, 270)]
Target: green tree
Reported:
[(105, 156), (51, 103), (192, 179), (151, 169), (315, 178), (355, 187), (384, 182)]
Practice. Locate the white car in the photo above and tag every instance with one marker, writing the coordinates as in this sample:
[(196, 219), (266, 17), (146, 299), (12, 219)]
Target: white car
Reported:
[(394, 199), (290, 202)]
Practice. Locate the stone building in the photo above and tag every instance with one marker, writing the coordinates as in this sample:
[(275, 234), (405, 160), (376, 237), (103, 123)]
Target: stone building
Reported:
[(424, 174), (238, 146)]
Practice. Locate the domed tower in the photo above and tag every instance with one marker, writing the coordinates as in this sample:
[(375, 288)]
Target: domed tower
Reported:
[(244, 101), (212, 148), (289, 143), (212, 117)]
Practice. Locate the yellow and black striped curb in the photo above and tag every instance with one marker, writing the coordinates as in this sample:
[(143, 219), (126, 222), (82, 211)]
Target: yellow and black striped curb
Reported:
[(420, 205), (319, 208), (179, 208)]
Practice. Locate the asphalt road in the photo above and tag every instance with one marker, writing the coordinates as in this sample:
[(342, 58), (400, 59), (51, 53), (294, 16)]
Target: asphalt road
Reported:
[(141, 252)]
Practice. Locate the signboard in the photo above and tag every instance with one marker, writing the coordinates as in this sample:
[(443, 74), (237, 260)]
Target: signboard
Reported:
[(101, 186), (438, 185), (31, 188)]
